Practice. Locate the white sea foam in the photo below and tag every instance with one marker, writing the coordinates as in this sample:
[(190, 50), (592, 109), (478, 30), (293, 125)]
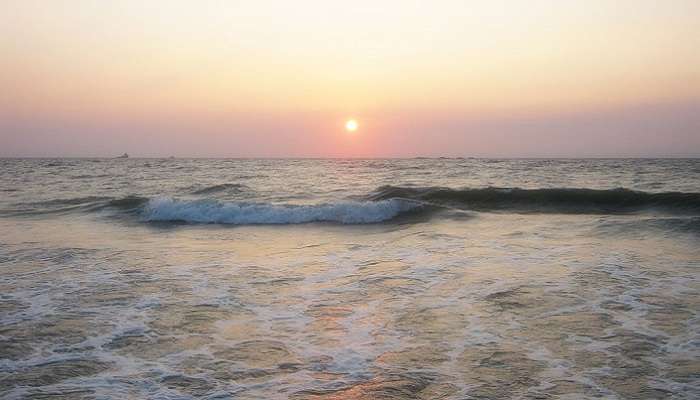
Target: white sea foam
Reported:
[(208, 211)]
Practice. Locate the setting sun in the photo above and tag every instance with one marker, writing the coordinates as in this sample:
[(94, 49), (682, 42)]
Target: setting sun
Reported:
[(351, 125)]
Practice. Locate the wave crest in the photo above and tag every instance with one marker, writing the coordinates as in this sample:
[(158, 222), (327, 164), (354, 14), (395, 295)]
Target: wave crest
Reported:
[(554, 200), (209, 211)]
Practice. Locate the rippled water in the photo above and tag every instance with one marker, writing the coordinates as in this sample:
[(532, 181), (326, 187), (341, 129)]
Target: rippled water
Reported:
[(349, 279)]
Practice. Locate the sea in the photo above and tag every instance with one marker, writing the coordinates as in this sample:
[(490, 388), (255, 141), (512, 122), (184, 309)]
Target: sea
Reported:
[(349, 278)]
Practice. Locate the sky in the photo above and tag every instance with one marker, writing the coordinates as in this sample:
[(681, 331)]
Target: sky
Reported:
[(567, 78)]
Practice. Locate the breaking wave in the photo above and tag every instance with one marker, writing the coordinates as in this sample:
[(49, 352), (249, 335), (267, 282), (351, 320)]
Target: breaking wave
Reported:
[(383, 204), (209, 211), (555, 200)]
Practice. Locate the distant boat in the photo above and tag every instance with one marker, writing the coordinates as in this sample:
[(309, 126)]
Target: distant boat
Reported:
[(123, 156)]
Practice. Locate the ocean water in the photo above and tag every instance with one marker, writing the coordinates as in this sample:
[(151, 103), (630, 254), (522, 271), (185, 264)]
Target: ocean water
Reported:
[(349, 279)]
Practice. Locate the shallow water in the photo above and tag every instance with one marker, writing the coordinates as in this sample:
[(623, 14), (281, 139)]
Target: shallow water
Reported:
[(349, 279)]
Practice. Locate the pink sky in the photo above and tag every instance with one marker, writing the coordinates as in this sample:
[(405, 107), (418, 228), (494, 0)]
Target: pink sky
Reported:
[(267, 79)]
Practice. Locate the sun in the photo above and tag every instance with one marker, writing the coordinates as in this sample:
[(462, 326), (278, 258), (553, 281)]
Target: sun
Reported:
[(351, 125)]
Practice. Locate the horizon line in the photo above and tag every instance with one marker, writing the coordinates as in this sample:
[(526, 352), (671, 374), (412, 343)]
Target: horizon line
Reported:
[(683, 157)]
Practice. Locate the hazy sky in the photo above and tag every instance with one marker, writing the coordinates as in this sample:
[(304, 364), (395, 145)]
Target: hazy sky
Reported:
[(280, 78)]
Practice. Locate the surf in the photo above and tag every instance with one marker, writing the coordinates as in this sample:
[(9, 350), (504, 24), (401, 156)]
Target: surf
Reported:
[(166, 209)]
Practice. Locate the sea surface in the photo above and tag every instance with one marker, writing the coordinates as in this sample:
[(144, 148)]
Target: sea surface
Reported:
[(349, 279)]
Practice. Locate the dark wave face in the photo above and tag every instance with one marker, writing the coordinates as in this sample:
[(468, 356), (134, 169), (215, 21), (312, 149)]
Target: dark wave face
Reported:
[(126, 203), (384, 204), (547, 200), (79, 204)]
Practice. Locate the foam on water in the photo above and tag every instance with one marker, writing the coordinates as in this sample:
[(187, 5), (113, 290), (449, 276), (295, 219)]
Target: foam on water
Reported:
[(209, 211)]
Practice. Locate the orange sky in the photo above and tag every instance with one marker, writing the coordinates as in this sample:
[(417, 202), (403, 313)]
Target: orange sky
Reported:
[(273, 78)]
